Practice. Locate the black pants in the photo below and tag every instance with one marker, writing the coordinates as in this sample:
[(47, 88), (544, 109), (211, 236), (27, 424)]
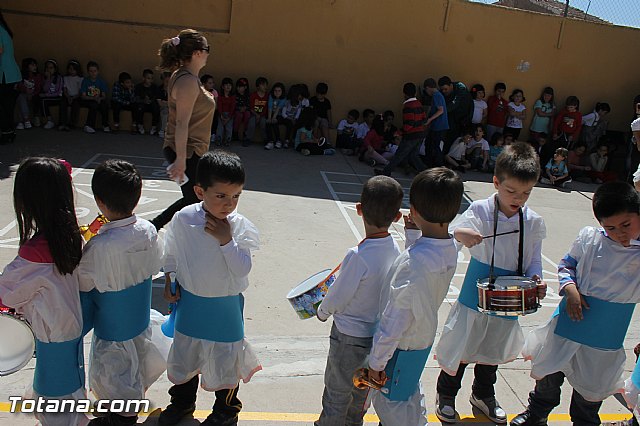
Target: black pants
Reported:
[(65, 104), (188, 195), (546, 396), (273, 129), (313, 147), (484, 379), (140, 109), (409, 149), (93, 107), (515, 132), (432, 151), (48, 103), (227, 402), (8, 96), (116, 107)]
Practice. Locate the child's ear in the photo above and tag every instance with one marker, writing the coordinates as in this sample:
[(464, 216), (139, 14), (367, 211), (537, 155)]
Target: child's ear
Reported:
[(496, 182), (359, 209), (199, 192)]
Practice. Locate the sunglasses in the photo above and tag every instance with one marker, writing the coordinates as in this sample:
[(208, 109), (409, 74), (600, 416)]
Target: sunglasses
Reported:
[(205, 49)]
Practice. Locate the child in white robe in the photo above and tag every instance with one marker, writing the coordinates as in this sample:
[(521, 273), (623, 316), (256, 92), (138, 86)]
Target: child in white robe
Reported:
[(600, 281), (40, 283), (208, 246), (470, 336), (115, 283), (419, 281)]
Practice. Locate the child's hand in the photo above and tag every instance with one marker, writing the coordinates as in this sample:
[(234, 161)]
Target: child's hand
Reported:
[(468, 237), (408, 222), (171, 298), (542, 286), (575, 302), (220, 229), (379, 377)]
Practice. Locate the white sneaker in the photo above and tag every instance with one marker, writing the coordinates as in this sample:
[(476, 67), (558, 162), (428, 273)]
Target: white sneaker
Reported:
[(278, 145), (153, 130), (50, 125), (19, 126), (27, 125), (490, 408), (545, 181), (564, 184), (141, 129), (305, 152), (89, 129), (161, 134), (106, 129), (269, 146), (36, 121)]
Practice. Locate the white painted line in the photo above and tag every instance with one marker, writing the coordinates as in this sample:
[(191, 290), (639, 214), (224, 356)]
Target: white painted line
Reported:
[(151, 212), (7, 228), (9, 240), (353, 228), (144, 188), (85, 193), (347, 193), (9, 246)]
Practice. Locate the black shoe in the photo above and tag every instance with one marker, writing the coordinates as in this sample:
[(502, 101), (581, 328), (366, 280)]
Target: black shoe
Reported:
[(112, 419), (379, 172), (218, 419), (173, 414), (528, 419)]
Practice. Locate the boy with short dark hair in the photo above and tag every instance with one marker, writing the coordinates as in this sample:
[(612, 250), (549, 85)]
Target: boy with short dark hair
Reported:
[(414, 131), (364, 127), (419, 281), (122, 98), (146, 101), (322, 106), (354, 302), (258, 107), (347, 129), (470, 336), (583, 341), (115, 282), (93, 96), (213, 352)]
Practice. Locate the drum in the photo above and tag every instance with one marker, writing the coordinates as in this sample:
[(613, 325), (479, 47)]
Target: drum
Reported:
[(308, 295), (17, 342), (508, 296)]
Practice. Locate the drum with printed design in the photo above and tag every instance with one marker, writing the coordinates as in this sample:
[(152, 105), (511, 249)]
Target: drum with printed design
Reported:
[(308, 295), (508, 296)]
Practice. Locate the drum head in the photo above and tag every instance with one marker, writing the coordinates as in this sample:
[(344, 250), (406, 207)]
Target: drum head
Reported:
[(17, 344), (309, 283), (507, 282)]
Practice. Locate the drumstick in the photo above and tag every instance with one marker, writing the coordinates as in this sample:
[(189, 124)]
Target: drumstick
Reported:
[(502, 233)]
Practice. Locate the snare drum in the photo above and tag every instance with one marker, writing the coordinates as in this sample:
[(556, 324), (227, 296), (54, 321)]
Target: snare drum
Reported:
[(508, 296), (308, 295), (17, 342)]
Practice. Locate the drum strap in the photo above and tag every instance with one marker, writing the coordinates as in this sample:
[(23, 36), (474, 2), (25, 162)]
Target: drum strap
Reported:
[(520, 272)]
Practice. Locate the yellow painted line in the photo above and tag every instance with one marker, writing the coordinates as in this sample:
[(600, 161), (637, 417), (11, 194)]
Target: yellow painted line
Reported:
[(311, 417)]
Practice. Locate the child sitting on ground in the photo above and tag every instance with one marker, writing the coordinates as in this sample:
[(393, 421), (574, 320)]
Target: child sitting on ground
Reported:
[(568, 123), (478, 149), (456, 157), (146, 101), (122, 98), (115, 282), (347, 129), (322, 106), (419, 281), (598, 161), (354, 301), (583, 341), (557, 170), (496, 146), (305, 142), (210, 287), (373, 146)]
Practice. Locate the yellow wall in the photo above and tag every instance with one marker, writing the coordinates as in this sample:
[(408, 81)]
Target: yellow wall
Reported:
[(364, 49)]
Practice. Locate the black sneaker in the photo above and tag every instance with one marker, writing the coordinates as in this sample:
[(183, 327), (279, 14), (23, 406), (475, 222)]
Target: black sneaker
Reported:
[(446, 409), (490, 408), (219, 419), (528, 419), (172, 415), (379, 172)]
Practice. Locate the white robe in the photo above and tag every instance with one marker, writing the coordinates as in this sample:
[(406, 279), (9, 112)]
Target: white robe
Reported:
[(419, 281), (608, 271), (206, 269), (124, 253), (470, 336), (50, 302)]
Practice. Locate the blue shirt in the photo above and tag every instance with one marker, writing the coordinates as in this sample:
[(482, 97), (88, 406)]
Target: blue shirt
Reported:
[(442, 122), (557, 169), (93, 88), (308, 133), (9, 71)]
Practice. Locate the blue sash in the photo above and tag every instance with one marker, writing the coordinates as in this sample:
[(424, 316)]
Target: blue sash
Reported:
[(217, 319), (403, 371), (476, 271), (635, 376), (117, 316), (604, 324), (59, 368)]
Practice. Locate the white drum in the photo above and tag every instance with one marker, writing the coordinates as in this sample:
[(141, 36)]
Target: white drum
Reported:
[(17, 343)]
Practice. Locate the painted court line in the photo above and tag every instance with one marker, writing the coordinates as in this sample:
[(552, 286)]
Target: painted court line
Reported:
[(311, 417)]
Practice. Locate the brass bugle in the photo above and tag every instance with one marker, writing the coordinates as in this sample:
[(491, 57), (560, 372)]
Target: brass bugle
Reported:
[(361, 381), (89, 231)]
